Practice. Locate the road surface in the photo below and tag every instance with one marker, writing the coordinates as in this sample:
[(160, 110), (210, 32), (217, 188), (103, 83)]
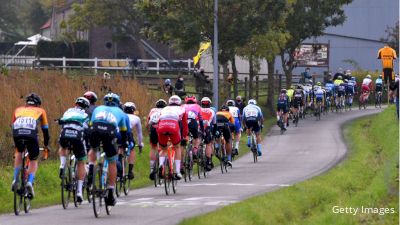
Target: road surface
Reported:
[(301, 153)]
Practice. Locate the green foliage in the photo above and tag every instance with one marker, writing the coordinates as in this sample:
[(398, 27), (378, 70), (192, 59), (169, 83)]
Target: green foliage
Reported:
[(368, 178), (392, 37), (57, 49)]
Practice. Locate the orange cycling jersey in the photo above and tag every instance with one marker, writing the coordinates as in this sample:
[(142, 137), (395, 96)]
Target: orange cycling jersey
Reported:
[(387, 55), (26, 118), (225, 117)]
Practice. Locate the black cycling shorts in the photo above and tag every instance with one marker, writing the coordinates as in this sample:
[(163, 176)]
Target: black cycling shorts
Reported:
[(340, 93), (297, 102), (78, 146), (282, 107), (153, 136), (193, 128), (253, 125), (388, 75), (226, 132), (105, 134), (378, 88), (30, 143)]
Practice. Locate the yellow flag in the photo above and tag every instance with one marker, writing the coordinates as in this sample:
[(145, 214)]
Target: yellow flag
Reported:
[(203, 46)]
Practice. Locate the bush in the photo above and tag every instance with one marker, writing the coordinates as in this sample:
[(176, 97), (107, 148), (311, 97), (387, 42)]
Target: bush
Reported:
[(58, 49)]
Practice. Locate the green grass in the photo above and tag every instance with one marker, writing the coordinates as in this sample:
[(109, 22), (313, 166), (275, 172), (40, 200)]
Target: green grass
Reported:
[(47, 183), (367, 178)]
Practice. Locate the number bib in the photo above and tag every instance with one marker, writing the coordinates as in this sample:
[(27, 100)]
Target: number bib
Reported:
[(251, 113), (25, 123)]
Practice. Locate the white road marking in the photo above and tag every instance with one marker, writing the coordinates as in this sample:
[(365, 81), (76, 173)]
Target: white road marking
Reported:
[(234, 184)]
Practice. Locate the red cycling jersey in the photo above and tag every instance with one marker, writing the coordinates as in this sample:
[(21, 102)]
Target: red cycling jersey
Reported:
[(208, 117), (172, 120)]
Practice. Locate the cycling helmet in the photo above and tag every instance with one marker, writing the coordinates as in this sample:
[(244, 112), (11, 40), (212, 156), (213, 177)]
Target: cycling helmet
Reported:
[(111, 99), (368, 76), (167, 82), (206, 102), (283, 91), (33, 99), (174, 100), (346, 81), (340, 70), (224, 108), (380, 76), (129, 107), (161, 103), (91, 96), (82, 102), (299, 86), (339, 77), (252, 101), (353, 78), (319, 83), (230, 103), (190, 99), (348, 72)]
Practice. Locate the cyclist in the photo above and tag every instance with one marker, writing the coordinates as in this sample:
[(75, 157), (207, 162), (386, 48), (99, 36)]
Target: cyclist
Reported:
[(290, 92), (135, 123), (167, 87), (254, 120), (209, 120), (237, 128), (194, 120), (330, 90), (224, 121), (107, 123), (350, 90), (173, 124), (25, 135), (152, 122), (298, 101), (366, 86), (378, 87), (92, 97), (319, 96), (282, 107), (340, 90), (74, 126), (307, 95)]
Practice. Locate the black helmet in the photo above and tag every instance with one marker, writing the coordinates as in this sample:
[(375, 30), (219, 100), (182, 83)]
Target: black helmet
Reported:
[(33, 99), (82, 102), (129, 107), (224, 108), (161, 103), (91, 96)]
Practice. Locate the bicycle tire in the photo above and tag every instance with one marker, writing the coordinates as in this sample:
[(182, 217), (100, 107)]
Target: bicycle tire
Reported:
[(97, 191), (18, 198), (156, 168), (27, 204), (173, 180), (167, 177), (65, 187), (74, 183), (126, 181)]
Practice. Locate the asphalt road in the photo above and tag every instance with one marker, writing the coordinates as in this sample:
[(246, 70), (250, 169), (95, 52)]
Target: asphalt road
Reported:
[(301, 153)]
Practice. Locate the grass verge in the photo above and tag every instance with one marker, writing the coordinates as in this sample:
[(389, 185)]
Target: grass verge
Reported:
[(368, 178)]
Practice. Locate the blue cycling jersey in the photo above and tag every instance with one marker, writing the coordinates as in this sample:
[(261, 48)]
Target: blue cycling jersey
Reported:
[(252, 111), (378, 81), (110, 115)]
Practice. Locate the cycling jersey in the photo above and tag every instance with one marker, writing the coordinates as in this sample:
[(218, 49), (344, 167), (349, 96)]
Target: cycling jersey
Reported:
[(108, 115), (378, 85), (329, 87), (298, 98), (290, 94), (349, 88), (208, 117), (337, 82), (25, 121), (134, 122), (319, 94), (235, 113), (153, 117), (283, 103), (173, 123), (366, 84), (224, 121), (252, 112), (387, 55)]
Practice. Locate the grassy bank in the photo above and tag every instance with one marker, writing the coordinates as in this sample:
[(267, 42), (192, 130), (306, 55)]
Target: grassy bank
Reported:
[(367, 178)]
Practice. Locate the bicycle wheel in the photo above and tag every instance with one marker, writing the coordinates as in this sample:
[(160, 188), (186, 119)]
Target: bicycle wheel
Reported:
[(18, 198), (66, 187), (167, 177), (97, 190), (174, 182), (221, 158), (74, 183), (254, 148), (27, 203), (127, 181), (319, 111), (199, 163), (156, 168)]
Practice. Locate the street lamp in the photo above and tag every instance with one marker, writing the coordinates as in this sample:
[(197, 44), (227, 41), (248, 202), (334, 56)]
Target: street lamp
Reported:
[(215, 48)]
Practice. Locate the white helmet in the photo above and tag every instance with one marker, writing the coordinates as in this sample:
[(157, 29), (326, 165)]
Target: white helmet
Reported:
[(174, 100), (252, 101), (368, 76), (230, 103)]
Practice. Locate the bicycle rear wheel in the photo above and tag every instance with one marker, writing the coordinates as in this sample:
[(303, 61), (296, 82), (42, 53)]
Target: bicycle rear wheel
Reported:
[(126, 180), (74, 183), (18, 198), (167, 177), (97, 190), (66, 187), (27, 203), (254, 148)]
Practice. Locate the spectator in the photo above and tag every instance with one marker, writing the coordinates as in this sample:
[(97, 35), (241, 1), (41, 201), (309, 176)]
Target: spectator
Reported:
[(306, 75), (387, 55), (202, 83), (180, 87), (394, 93), (240, 103), (167, 87), (338, 73)]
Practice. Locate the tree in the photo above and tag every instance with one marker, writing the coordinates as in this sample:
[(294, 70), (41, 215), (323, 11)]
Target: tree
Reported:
[(9, 20), (308, 18), (392, 37), (122, 17)]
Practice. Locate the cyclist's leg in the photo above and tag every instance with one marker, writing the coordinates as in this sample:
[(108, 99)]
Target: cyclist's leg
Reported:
[(131, 161), (94, 140), (32, 145), (20, 146), (80, 155), (153, 150), (256, 129), (248, 131), (228, 147), (238, 134), (62, 152)]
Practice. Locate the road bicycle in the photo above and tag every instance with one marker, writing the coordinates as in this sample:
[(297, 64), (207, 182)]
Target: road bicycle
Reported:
[(253, 146), (219, 148), (349, 100), (69, 183), (318, 110), (123, 182), (281, 123), (188, 161), (21, 194), (168, 171), (201, 161), (378, 99), (363, 99), (99, 185)]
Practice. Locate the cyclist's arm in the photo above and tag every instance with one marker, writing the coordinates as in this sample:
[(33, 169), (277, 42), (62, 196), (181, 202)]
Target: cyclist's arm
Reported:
[(45, 128), (139, 132), (185, 129)]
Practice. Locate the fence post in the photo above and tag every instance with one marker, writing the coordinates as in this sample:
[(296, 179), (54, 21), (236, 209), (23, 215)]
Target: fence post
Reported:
[(257, 86), (189, 65), (96, 63), (64, 64), (280, 83), (158, 66), (245, 88)]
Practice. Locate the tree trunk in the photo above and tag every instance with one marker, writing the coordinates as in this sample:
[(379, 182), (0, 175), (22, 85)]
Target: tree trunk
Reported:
[(235, 77), (271, 82), (251, 76), (224, 85), (288, 67)]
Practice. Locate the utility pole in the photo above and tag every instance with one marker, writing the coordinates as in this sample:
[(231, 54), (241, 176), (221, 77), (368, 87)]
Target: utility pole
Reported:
[(215, 56)]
